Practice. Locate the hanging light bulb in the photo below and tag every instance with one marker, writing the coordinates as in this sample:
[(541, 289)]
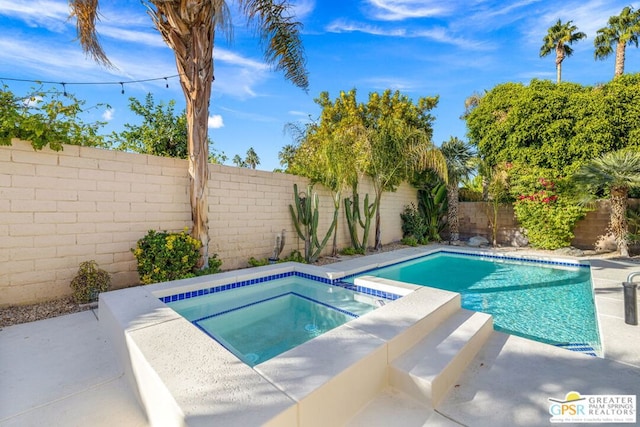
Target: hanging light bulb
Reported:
[(122, 86), (64, 88), (166, 83)]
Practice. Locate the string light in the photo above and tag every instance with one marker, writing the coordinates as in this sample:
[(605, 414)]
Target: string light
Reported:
[(121, 83)]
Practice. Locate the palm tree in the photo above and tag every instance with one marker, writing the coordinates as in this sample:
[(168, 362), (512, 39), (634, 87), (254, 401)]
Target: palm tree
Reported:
[(252, 160), (459, 158), (622, 30), (558, 39), (189, 28), (617, 172)]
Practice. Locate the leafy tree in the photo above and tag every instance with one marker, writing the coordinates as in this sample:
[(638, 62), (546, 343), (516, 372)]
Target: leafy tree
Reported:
[(459, 158), (558, 39), (555, 127), (396, 143), (325, 151), (189, 29), (46, 118), (161, 133), (616, 173), (622, 30)]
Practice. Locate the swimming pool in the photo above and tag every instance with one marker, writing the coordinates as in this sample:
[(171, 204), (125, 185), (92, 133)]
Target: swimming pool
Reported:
[(550, 303), (259, 322)]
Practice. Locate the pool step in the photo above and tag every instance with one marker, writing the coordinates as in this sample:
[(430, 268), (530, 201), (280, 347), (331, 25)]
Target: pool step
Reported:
[(430, 368)]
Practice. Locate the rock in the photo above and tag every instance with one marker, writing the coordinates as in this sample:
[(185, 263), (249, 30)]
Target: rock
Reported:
[(569, 251), (606, 243), (477, 241)]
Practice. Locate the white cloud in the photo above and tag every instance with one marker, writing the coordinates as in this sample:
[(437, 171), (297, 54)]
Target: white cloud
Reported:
[(397, 10), (215, 121), (342, 26), (46, 13), (108, 114), (303, 8)]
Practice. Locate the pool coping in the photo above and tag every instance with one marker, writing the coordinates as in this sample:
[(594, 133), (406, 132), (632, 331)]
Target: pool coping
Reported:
[(135, 319)]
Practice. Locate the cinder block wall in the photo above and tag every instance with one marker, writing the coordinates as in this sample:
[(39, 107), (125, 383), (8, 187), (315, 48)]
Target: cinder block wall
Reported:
[(58, 209), (474, 222)]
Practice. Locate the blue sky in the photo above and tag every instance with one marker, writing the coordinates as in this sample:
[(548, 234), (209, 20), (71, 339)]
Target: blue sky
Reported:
[(449, 48)]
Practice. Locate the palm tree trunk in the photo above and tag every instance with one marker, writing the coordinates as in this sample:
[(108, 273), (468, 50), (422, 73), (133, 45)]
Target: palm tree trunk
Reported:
[(452, 212), (559, 58), (620, 57), (190, 33), (619, 226)]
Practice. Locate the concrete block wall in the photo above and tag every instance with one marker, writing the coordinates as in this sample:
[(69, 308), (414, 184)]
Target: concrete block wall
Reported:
[(474, 222), (58, 209)]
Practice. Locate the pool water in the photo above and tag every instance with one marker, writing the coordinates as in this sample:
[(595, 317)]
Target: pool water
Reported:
[(547, 303), (261, 321)]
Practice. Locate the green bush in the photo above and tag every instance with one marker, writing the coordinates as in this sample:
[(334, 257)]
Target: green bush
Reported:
[(409, 241), (547, 217), (413, 223), (351, 251), (89, 282), (163, 256), (253, 262)]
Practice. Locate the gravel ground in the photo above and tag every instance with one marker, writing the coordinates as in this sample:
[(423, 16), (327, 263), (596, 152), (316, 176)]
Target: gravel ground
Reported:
[(29, 313)]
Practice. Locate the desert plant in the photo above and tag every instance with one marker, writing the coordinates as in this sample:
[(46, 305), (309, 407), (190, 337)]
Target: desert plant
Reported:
[(355, 218), (89, 282), (305, 219), (163, 256)]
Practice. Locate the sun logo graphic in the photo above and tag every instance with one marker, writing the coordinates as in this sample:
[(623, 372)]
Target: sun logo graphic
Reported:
[(571, 406), (577, 408)]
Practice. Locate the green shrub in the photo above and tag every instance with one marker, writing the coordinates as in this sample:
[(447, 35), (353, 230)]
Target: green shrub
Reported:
[(409, 241), (547, 217), (89, 282), (163, 256), (351, 251), (253, 262), (294, 256), (413, 223)]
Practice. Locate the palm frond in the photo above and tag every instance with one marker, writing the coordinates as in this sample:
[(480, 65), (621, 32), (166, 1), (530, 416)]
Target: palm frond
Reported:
[(86, 14), (280, 35)]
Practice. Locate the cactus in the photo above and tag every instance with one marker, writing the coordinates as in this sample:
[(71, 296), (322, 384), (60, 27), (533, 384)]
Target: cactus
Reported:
[(305, 219), (278, 246), (354, 218)]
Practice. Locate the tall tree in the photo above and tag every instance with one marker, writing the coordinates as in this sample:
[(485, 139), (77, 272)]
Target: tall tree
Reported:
[(396, 143), (622, 30), (616, 173), (252, 160), (459, 158), (559, 39), (188, 27), (237, 160)]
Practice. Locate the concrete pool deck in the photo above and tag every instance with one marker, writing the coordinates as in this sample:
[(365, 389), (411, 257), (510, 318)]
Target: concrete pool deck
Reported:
[(64, 372)]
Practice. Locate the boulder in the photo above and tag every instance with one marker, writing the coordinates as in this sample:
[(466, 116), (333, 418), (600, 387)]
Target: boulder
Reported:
[(477, 241)]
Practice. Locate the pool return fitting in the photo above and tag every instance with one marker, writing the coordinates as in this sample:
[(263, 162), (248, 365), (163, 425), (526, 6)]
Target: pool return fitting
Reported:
[(630, 300)]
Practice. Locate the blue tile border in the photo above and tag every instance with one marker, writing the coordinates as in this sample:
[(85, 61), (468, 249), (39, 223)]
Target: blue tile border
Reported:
[(463, 254), (341, 282), (235, 285)]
